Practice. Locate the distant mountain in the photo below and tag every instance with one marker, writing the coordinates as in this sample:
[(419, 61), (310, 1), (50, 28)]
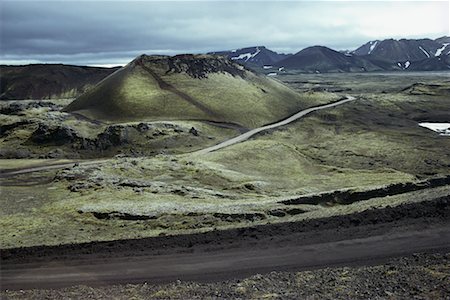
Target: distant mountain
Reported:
[(322, 59), (46, 81), (403, 50), (443, 40), (386, 55), (258, 56), (438, 63)]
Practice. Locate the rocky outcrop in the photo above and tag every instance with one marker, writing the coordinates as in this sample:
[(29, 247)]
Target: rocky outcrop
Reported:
[(196, 66), (17, 108), (350, 196), (53, 135)]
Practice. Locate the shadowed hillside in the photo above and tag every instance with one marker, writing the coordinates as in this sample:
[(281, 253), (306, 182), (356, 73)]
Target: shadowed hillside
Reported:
[(47, 81)]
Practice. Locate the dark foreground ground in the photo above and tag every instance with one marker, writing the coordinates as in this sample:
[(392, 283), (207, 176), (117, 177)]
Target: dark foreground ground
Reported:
[(417, 276), (371, 254)]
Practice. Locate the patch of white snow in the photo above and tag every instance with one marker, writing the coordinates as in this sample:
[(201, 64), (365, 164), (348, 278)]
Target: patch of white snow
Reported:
[(281, 69), (373, 44), (267, 67), (272, 74), (439, 51), (425, 52), (441, 128), (247, 56), (407, 64)]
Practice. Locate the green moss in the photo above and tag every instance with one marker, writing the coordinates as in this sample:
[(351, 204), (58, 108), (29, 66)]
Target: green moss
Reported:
[(134, 93), (368, 143)]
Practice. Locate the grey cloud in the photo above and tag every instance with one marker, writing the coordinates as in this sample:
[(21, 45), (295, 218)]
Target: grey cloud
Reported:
[(89, 32)]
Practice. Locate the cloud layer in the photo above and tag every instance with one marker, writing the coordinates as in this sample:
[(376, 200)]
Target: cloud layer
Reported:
[(101, 32)]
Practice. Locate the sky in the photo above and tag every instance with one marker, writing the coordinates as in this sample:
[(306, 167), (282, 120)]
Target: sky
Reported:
[(114, 32)]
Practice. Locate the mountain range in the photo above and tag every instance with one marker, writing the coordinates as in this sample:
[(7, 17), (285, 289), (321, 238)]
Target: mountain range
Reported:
[(384, 55), (45, 81)]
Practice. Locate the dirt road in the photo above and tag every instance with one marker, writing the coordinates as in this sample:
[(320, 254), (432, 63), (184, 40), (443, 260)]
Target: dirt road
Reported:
[(224, 264), (238, 139), (364, 238), (249, 134), (48, 166)]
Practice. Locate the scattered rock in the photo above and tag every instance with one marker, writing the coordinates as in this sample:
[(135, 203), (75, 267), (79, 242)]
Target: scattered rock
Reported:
[(193, 131), (5, 129), (121, 216)]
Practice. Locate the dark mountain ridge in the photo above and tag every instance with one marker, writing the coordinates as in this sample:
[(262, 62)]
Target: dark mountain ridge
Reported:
[(400, 50), (386, 55), (46, 81), (257, 56), (322, 59)]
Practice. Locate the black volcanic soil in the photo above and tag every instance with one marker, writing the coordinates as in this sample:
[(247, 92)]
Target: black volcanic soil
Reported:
[(417, 276), (337, 258), (358, 225)]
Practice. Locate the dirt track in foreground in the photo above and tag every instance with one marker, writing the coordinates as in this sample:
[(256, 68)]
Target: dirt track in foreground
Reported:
[(364, 238)]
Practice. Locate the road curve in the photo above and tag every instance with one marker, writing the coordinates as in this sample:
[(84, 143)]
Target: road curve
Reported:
[(238, 139), (50, 166), (248, 134), (224, 264)]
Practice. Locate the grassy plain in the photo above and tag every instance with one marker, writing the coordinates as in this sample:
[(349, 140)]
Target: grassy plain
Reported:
[(372, 142)]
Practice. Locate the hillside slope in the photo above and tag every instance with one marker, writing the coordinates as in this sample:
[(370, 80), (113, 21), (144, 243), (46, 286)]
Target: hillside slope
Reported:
[(189, 87), (47, 81)]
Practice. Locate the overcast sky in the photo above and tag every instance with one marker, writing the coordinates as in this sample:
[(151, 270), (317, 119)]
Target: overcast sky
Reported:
[(104, 32)]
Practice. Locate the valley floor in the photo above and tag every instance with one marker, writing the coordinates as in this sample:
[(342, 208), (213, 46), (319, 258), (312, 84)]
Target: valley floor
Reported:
[(339, 200)]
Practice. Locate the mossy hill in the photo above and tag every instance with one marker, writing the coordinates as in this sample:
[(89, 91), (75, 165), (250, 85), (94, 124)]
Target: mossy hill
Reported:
[(188, 87)]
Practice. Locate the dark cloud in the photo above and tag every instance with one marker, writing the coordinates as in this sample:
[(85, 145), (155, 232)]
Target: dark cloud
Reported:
[(88, 32)]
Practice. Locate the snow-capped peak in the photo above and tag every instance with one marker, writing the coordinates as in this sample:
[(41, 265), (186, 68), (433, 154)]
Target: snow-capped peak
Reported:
[(440, 50), (246, 56), (424, 51), (373, 44)]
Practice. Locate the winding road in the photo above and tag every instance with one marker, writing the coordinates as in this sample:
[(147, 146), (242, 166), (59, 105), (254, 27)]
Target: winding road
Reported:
[(249, 134), (238, 139)]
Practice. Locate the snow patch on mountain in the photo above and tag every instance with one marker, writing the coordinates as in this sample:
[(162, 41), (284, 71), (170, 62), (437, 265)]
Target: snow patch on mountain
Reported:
[(247, 56), (407, 64), (424, 51), (373, 44), (441, 128), (439, 51)]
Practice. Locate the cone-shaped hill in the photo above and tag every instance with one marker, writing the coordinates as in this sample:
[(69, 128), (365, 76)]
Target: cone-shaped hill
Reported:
[(188, 87)]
